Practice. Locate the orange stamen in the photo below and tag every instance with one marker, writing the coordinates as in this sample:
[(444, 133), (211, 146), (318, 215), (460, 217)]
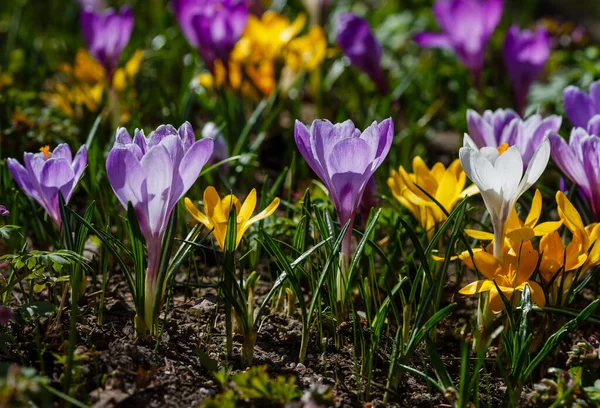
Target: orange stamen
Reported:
[(503, 147), (46, 151)]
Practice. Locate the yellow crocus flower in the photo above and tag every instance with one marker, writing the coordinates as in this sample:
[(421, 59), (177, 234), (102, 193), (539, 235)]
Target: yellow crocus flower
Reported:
[(516, 229), (446, 185), (217, 213), (511, 274), (588, 235)]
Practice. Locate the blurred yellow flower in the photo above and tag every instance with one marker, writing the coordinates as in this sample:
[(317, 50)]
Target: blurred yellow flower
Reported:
[(83, 84), (446, 185), (217, 213), (269, 46)]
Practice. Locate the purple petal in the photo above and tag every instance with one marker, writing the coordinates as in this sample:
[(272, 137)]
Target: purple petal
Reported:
[(593, 126), (566, 159), (187, 135), (62, 151), (126, 176), (57, 175), (79, 162), (158, 185), (193, 161), (22, 178), (579, 106), (433, 40)]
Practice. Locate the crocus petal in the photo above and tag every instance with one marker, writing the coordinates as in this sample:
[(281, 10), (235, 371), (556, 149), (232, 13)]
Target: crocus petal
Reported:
[(477, 287), (579, 106), (21, 177), (193, 161), (194, 212), (433, 40), (126, 176)]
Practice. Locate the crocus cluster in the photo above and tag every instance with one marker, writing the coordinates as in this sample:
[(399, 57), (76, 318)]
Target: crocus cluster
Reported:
[(423, 190), (106, 34), (525, 54), (269, 50), (212, 26), (355, 37), (345, 160), (467, 26), (48, 173), (79, 87), (153, 173)]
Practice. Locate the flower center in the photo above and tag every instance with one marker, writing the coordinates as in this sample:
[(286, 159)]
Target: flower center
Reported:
[(46, 151), (502, 148)]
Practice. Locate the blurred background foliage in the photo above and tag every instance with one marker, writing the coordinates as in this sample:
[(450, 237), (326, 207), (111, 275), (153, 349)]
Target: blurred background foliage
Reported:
[(430, 91)]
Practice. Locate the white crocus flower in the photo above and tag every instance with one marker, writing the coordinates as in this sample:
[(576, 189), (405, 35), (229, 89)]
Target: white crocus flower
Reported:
[(498, 173)]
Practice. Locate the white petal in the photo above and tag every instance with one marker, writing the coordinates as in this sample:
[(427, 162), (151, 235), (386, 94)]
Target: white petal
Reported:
[(537, 165)]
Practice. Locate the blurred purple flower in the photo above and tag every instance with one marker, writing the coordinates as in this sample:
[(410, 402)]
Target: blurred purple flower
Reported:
[(94, 5), (153, 173), (525, 54), (582, 107), (6, 315), (579, 161), (358, 43), (47, 173), (495, 128), (106, 34), (345, 160), (467, 26), (212, 26), (221, 151), (3, 211)]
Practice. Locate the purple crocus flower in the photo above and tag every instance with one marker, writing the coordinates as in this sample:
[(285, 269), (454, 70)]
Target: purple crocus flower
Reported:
[(6, 315), (582, 107), (345, 160), (466, 25), (358, 43), (46, 173), (495, 128), (579, 160), (153, 173), (212, 26), (525, 54), (3, 211), (106, 34)]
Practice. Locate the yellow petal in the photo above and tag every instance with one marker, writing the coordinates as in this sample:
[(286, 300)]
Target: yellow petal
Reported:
[(520, 234), (472, 288), (546, 227), (194, 212), (535, 211), (481, 235), (486, 263), (537, 293), (568, 214), (260, 216), (247, 208)]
